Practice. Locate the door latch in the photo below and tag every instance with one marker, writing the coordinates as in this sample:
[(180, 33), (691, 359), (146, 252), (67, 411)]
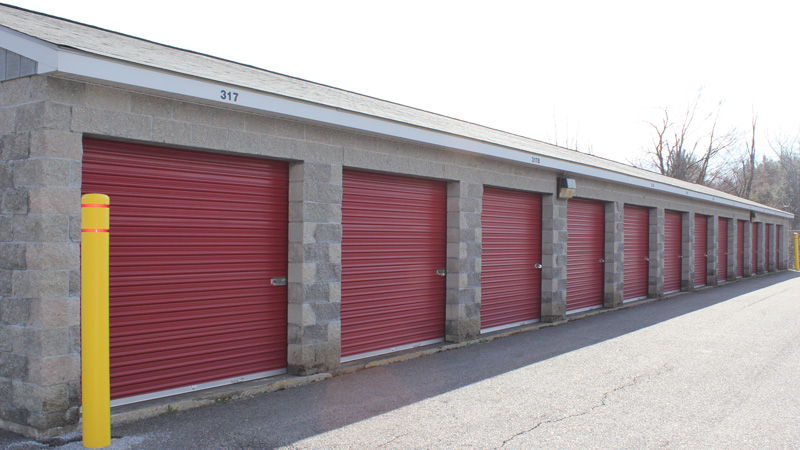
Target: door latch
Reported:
[(538, 265), (278, 281), (441, 272)]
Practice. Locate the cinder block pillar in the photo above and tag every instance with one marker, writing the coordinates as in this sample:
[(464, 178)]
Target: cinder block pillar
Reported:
[(731, 262), (463, 298), (315, 267), (687, 252), (40, 181), (554, 258), (747, 267), (656, 254), (614, 282), (783, 240), (773, 235), (761, 256), (713, 254)]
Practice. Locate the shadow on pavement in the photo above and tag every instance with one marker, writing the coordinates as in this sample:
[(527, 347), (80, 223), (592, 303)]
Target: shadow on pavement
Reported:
[(281, 418)]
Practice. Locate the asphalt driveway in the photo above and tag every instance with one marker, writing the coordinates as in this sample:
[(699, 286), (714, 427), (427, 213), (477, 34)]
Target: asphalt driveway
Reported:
[(719, 368)]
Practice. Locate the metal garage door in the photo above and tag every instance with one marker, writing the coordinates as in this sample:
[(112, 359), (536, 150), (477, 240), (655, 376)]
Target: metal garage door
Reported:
[(195, 239), (636, 268), (700, 249), (739, 248), (393, 244), (673, 240), (722, 250), (511, 223), (768, 253), (754, 256), (585, 254)]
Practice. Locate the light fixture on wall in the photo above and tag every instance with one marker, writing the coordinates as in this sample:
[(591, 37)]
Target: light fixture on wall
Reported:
[(566, 187), (753, 216)]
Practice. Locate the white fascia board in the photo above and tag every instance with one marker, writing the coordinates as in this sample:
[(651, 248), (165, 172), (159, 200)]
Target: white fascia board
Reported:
[(90, 66), (45, 54)]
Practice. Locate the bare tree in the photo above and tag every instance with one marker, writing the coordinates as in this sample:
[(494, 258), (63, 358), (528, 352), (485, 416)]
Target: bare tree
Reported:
[(737, 176), (688, 149), (788, 152)]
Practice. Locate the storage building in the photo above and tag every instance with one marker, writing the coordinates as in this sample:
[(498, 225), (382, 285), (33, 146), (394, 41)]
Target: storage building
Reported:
[(262, 224)]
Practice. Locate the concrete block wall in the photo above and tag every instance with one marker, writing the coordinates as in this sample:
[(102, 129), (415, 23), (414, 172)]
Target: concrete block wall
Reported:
[(614, 278), (748, 249), (760, 256), (464, 244), (687, 251), (732, 239), (656, 253), (713, 255), (770, 265), (554, 258), (42, 122), (39, 280), (315, 267)]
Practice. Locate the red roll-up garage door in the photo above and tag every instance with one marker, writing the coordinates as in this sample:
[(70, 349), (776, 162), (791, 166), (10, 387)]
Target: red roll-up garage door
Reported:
[(393, 243), (767, 229), (673, 237), (739, 248), (511, 223), (195, 239), (700, 249), (637, 232), (722, 250), (754, 256), (585, 254)]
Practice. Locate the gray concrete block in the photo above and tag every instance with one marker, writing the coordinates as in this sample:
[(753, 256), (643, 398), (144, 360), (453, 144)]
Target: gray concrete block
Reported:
[(15, 146), (56, 144), (54, 313), (108, 98), (5, 282), (55, 200), (172, 132), (40, 228), (15, 311), (254, 123), (8, 120), (209, 137), (14, 201), (53, 370), (244, 142), (150, 105), (40, 284), (59, 90), (13, 256), (131, 126), (193, 113), (13, 366), (41, 172), (90, 120)]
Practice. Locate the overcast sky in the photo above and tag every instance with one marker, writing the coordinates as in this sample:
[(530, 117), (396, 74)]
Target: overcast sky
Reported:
[(594, 71)]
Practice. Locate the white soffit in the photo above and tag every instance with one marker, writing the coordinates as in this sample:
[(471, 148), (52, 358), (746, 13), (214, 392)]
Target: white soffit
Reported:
[(74, 63)]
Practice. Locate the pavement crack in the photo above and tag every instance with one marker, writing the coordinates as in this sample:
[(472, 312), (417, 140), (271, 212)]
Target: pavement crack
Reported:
[(602, 403), (393, 439)]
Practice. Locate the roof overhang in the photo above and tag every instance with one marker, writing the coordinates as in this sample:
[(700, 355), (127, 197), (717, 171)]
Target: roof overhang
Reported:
[(78, 64)]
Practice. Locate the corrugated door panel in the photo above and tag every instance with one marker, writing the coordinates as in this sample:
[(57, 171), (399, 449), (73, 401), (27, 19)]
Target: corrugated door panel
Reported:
[(673, 239), (585, 253), (739, 248), (511, 223), (700, 249), (195, 239), (722, 250), (767, 229), (394, 241), (637, 236), (754, 256)]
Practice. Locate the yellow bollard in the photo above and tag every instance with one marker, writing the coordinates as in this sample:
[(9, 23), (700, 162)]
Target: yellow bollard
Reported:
[(95, 377), (796, 252)]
